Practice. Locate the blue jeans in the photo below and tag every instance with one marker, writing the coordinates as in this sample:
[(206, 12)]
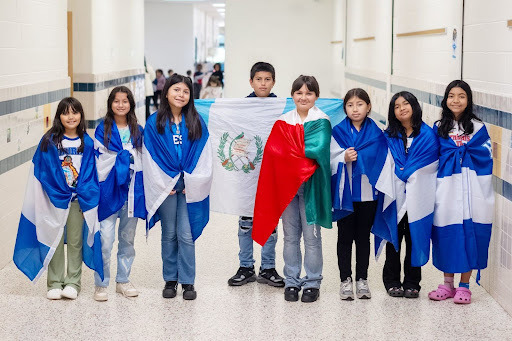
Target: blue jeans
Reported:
[(268, 252), (125, 249), (178, 248), (294, 226)]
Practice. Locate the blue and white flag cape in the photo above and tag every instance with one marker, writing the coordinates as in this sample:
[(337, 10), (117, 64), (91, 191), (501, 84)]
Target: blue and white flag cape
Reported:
[(46, 208), (162, 170), (375, 161), (116, 187), (415, 187), (464, 204), (239, 129)]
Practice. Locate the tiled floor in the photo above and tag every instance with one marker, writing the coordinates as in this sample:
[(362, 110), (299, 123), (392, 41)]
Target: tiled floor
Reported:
[(252, 312)]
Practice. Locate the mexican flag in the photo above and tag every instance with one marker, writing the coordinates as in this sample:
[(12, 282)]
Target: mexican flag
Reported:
[(295, 153)]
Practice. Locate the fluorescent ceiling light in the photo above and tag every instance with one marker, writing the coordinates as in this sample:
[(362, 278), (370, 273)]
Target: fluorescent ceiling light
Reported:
[(219, 5)]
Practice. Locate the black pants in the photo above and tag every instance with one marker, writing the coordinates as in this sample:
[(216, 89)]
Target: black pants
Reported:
[(156, 96), (392, 267), (148, 104), (356, 227)]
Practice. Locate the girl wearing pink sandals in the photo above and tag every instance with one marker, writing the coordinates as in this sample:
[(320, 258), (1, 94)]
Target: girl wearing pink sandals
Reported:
[(464, 195)]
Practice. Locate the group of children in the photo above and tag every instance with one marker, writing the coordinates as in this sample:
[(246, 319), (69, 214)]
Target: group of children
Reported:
[(427, 185)]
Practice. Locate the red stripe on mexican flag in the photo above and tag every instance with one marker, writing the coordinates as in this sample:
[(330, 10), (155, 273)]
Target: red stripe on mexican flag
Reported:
[(295, 153)]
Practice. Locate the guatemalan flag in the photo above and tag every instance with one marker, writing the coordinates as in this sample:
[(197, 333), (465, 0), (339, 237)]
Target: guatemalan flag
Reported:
[(415, 183), (239, 129), (464, 204), (46, 208), (295, 153), (374, 167), (115, 164), (162, 169)]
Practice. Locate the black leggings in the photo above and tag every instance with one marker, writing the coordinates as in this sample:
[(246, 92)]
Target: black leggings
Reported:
[(392, 266), (356, 227)]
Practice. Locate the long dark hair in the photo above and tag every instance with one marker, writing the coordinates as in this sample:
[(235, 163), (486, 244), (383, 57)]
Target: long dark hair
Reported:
[(395, 127), (131, 118), (56, 132), (164, 113), (447, 117)]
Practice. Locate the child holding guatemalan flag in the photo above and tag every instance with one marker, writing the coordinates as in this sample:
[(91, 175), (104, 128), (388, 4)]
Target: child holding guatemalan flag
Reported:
[(415, 151), (118, 143), (177, 163), (361, 166), (464, 196), (61, 198), (294, 183)]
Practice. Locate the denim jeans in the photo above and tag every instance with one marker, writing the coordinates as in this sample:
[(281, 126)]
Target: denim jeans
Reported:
[(294, 226), (268, 251), (125, 249), (178, 248)]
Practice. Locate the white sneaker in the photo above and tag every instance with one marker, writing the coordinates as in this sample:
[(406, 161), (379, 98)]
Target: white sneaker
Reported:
[(100, 294), (347, 290), (54, 294), (362, 289), (127, 289), (70, 292)]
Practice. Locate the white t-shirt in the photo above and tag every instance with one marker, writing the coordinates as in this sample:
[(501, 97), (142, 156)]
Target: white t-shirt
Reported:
[(71, 159), (457, 133), (409, 143)]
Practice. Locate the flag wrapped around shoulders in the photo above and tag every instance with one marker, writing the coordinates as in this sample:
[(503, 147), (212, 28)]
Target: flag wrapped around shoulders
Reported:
[(415, 186), (162, 169), (295, 153), (374, 165), (114, 168), (464, 204), (46, 208)]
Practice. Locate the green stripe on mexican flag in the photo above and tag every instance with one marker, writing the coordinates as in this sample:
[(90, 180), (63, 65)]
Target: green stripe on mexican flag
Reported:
[(296, 152)]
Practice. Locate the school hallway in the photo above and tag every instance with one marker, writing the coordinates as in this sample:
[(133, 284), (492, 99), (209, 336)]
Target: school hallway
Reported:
[(251, 312)]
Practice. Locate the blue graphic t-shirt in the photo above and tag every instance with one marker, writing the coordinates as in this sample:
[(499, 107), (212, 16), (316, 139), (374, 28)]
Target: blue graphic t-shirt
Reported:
[(177, 137)]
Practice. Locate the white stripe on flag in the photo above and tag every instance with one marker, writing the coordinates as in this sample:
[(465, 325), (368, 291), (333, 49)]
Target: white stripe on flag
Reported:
[(233, 191), (199, 182)]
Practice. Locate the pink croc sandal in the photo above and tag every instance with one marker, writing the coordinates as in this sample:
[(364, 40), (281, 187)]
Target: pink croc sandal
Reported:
[(462, 296), (442, 293)]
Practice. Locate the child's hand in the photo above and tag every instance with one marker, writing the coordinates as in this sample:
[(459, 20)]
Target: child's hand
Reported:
[(350, 155), (183, 191), (172, 192)]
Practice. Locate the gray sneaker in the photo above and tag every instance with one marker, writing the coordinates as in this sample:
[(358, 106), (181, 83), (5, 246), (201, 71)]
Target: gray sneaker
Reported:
[(347, 290), (362, 289)]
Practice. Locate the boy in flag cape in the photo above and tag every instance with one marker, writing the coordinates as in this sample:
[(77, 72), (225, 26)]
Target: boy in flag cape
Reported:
[(294, 183)]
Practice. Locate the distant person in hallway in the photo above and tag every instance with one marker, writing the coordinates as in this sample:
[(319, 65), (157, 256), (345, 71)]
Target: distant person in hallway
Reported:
[(177, 162), (198, 80), (118, 140), (213, 89), (159, 83), (189, 73), (464, 195), (62, 198), (415, 150), (170, 72), (362, 166), (262, 80), (294, 183), (217, 72), (149, 76)]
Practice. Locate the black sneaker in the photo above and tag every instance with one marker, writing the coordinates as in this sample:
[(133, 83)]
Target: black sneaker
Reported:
[(170, 289), (243, 276), (270, 277), (189, 292), (291, 294), (310, 295)]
